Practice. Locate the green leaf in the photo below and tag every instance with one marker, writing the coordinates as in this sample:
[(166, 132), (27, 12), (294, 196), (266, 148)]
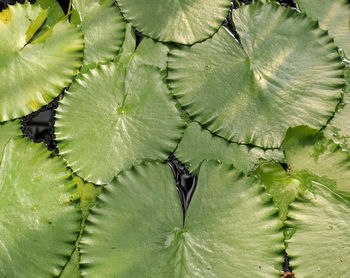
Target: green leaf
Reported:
[(286, 72), (338, 128), (32, 74), (87, 193), (320, 246), (150, 52), (282, 187), (104, 30), (35, 25), (308, 152), (129, 44), (179, 21), (38, 220), (333, 16), (116, 118), (231, 228), (54, 10), (198, 144), (9, 130)]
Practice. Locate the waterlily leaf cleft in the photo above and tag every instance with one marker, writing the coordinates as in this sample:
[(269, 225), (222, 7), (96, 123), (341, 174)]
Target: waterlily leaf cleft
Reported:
[(229, 216)]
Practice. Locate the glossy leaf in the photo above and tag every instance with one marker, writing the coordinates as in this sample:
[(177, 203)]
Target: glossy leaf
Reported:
[(283, 187), (87, 193), (116, 118), (310, 158), (180, 21), (8, 131), (320, 245), (338, 128), (228, 217), (54, 11), (333, 16), (198, 145), (38, 220), (309, 152), (34, 69), (103, 27), (129, 44), (286, 72)]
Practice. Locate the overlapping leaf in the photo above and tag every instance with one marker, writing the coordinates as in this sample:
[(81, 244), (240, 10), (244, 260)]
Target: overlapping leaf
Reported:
[(38, 220), (198, 145), (309, 152), (180, 21), (129, 234), (116, 117), (310, 158), (338, 128), (320, 245), (333, 16), (34, 69), (285, 72), (103, 27), (87, 193)]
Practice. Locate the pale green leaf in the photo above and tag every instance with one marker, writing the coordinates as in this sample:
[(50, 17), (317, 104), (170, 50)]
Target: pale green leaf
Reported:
[(332, 15), (136, 229), (198, 145), (32, 74), (181, 21), (117, 118), (103, 27), (38, 220), (320, 245), (286, 72)]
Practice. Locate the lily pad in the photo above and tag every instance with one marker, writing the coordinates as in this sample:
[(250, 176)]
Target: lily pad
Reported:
[(229, 216), (308, 151), (179, 21), (38, 220), (338, 128), (87, 193), (54, 11), (118, 119), (103, 27), (310, 158), (9, 130), (34, 69), (333, 16), (285, 72), (283, 187), (198, 144), (320, 245)]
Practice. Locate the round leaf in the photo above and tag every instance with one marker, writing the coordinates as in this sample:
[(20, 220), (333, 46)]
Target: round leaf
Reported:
[(285, 72), (180, 21), (38, 221), (34, 69), (137, 230), (103, 27), (110, 120)]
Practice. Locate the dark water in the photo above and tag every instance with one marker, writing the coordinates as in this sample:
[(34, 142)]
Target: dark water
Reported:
[(185, 182)]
